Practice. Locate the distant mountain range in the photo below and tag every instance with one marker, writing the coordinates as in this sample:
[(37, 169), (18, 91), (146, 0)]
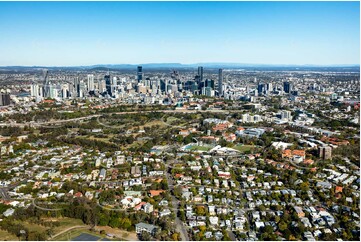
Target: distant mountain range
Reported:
[(210, 65)]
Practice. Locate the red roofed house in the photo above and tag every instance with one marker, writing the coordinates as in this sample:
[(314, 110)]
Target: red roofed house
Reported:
[(154, 193), (338, 189), (78, 194), (139, 206), (290, 153)]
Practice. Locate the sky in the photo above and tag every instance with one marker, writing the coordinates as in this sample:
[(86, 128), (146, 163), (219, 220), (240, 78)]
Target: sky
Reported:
[(89, 33)]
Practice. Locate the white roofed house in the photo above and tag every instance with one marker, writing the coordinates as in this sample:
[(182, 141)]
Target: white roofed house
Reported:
[(148, 208), (102, 174), (9, 212), (149, 228), (212, 210), (213, 220), (165, 212)]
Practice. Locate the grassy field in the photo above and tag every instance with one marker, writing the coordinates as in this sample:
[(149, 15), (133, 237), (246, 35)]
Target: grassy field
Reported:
[(201, 148), (244, 148), (66, 223), (4, 235), (34, 227), (153, 123)]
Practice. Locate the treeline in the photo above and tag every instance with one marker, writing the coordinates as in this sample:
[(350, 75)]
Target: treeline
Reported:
[(91, 214), (351, 151), (46, 115), (11, 131), (129, 108), (93, 144), (21, 231)]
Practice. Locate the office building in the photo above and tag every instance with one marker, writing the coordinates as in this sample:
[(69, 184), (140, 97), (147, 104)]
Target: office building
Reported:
[(101, 86), (269, 87), (76, 87), (200, 73), (325, 152), (90, 83), (261, 88), (220, 82), (46, 84), (34, 91), (53, 92), (64, 92), (286, 115), (139, 74), (4, 99), (108, 84), (287, 87)]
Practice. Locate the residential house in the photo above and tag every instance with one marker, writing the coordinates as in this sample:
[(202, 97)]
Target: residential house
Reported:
[(151, 229)]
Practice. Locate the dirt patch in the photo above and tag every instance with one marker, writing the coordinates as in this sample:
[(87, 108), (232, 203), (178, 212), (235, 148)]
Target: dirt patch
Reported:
[(121, 234)]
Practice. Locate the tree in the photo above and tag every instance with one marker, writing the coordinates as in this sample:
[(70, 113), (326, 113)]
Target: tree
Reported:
[(304, 186), (200, 210), (103, 219), (262, 208), (126, 223), (50, 232), (282, 226), (145, 236), (114, 222), (175, 236)]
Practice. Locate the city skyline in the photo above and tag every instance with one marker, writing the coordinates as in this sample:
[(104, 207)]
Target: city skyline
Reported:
[(91, 33)]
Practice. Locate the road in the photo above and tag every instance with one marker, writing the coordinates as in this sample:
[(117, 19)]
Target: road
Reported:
[(4, 190), (231, 235), (4, 193), (175, 203)]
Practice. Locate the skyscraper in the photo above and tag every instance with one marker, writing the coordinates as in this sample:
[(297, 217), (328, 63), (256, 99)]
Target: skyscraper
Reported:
[(90, 83), (269, 87), (140, 73), (108, 84), (287, 87), (286, 115), (325, 152), (34, 90), (76, 87), (220, 82), (200, 73), (261, 88), (4, 99), (46, 84)]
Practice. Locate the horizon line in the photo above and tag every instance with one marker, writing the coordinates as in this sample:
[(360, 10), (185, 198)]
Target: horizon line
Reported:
[(188, 64)]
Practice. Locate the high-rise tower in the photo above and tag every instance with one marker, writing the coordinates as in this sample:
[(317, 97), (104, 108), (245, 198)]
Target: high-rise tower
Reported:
[(200, 73), (140, 73), (220, 82), (46, 84), (108, 84), (90, 84)]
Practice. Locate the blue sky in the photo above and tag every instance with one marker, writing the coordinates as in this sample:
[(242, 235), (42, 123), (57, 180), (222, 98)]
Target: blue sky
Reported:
[(86, 33)]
